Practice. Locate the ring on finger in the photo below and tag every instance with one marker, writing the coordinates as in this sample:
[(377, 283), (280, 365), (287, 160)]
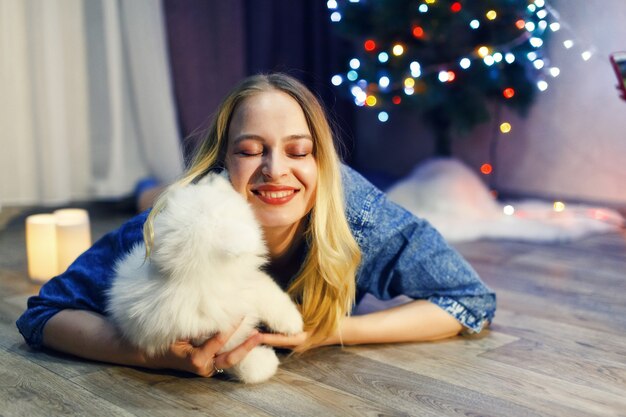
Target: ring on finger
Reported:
[(216, 369)]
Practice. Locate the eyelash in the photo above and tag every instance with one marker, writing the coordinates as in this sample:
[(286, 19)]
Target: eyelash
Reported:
[(248, 155)]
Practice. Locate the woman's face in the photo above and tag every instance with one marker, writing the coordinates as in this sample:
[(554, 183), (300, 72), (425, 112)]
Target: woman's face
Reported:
[(270, 158)]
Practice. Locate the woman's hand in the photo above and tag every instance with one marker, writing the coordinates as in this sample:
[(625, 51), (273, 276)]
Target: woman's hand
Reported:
[(204, 360), (294, 341)]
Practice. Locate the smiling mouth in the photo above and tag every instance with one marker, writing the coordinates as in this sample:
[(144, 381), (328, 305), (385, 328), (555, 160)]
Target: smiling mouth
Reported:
[(277, 197)]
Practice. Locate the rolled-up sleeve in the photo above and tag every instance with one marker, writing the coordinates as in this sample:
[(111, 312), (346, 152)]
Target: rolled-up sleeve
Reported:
[(405, 255), (83, 285)]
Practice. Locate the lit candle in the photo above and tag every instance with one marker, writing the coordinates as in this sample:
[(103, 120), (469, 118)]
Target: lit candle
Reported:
[(41, 247), (73, 235)]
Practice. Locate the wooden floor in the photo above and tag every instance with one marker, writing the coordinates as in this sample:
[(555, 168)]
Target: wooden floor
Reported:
[(557, 348)]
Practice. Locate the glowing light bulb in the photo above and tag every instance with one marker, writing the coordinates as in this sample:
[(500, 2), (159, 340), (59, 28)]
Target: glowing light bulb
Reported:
[(465, 63), (530, 26), (355, 63), (532, 8), (491, 15), (483, 51), (505, 127), (451, 76), (542, 85), (539, 63), (456, 7), (416, 69), (352, 75), (542, 25), (398, 49), (383, 57), (370, 101), (489, 61), (486, 169), (568, 43), (520, 24), (531, 56), (443, 76), (408, 91), (508, 92), (335, 17), (541, 14), (474, 24), (558, 206), (540, 3), (423, 8), (383, 116), (555, 71), (536, 42), (331, 4), (409, 82), (418, 32), (430, 1), (554, 27), (509, 58), (497, 57), (383, 82), (369, 45), (586, 55), (396, 100), (336, 80), (508, 210)]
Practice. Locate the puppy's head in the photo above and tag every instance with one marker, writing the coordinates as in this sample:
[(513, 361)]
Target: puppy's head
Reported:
[(206, 222)]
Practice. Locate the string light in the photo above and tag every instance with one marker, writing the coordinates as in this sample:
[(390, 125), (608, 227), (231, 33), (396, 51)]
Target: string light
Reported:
[(383, 57), (336, 80), (491, 15), (383, 116), (559, 206), (486, 169), (418, 32), (423, 8), (508, 92), (474, 24), (335, 17), (509, 210), (505, 127), (465, 63), (355, 63), (456, 7), (369, 45), (398, 49)]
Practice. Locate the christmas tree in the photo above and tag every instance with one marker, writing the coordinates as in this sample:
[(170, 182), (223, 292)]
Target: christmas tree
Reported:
[(450, 61)]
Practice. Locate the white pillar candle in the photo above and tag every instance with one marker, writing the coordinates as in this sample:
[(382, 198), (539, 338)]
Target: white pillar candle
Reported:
[(41, 247), (73, 235)]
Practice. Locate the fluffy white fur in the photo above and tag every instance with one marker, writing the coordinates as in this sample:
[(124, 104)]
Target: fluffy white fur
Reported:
[(455, 200), (203, 277)]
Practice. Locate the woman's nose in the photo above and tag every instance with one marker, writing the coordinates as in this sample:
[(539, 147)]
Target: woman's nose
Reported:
[(274, 165)]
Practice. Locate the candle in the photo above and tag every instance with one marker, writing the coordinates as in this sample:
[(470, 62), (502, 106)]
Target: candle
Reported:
[(41, 247), (73, 235)]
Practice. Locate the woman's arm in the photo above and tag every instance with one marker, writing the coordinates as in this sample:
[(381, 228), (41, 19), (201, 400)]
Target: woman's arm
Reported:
[(89, 335), (416, 321)]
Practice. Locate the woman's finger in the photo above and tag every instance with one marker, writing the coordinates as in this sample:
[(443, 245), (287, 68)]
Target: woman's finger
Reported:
[(284, 341), (229, 359)]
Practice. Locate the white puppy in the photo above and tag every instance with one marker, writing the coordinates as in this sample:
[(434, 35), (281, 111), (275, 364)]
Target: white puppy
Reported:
[(203, 277)]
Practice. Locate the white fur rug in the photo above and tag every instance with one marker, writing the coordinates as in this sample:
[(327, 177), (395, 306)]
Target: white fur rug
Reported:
[(455, 200)]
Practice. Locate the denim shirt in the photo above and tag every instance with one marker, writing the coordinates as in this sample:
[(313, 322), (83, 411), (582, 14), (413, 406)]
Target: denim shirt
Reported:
[(401, 255)]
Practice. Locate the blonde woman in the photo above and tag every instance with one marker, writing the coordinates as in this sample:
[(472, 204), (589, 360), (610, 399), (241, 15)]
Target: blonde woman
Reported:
[(332, 238)]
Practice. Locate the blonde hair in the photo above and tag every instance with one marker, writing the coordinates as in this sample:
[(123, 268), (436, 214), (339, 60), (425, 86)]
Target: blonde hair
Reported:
[(325, 286)]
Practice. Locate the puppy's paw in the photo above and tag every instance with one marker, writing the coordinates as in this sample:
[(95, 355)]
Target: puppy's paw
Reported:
[(259, 365)]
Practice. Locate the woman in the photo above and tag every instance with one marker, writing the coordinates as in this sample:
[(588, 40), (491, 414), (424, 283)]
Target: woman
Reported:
[(332, 237)]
